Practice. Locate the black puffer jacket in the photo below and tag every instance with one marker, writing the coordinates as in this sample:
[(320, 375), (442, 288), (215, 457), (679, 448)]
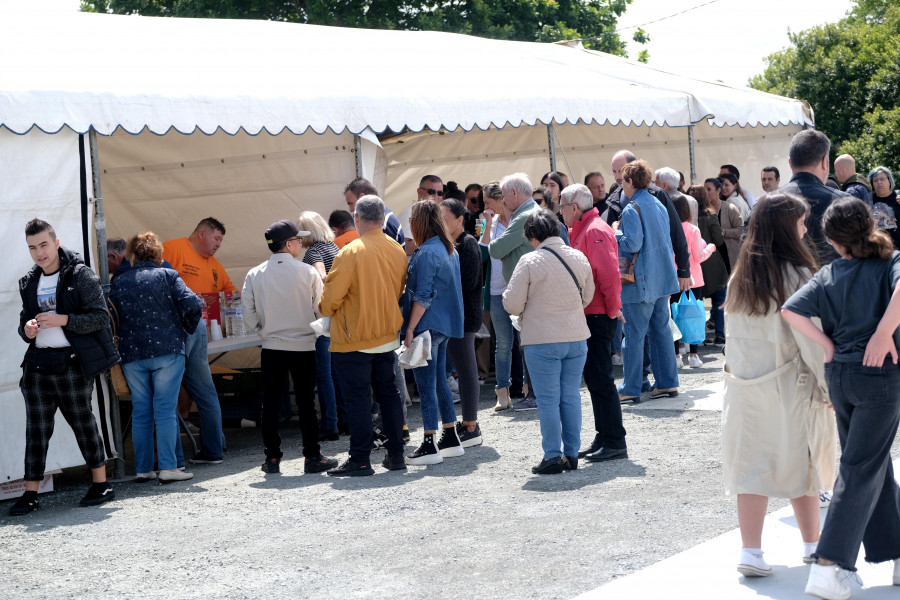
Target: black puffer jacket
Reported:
[(79, 296)]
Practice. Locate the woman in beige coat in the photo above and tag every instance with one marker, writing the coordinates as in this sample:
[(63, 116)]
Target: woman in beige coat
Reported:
[(777, 429)]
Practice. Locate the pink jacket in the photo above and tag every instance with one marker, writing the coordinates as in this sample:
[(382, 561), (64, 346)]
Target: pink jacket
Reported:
[(699, 250), (597, 241)]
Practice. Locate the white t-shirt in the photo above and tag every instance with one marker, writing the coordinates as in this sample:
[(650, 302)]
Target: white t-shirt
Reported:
[(498, 284), (46, 297)]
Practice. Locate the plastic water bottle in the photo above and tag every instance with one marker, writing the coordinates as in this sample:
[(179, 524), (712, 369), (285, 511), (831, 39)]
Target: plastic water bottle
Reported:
[(240, 329), (228, 317)]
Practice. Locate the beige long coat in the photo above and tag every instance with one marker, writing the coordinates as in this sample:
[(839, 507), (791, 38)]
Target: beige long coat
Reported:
[(778, 433)]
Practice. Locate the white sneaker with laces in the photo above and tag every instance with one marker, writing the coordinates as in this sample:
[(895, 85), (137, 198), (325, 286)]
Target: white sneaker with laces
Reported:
[(830, 582), (694, 361), (454, 385), (617, 359), (752, 564), (679, 361)]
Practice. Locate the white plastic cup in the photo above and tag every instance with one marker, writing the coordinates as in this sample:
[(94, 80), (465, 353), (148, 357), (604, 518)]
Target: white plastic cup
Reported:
[(215, 332)]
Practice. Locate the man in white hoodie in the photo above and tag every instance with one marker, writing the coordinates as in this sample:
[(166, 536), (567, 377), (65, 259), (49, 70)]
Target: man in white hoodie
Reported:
[(280, 297)]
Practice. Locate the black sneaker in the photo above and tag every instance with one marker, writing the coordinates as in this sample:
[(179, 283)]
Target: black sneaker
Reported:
[(426, 454), (516, 392), (719, 342), (394, 464), (595, 445), (202, 459), (405, 434), (379, 439), (351, 468), (571, 463), (467, 438), (272, 466), (449, 445), (98, 493), (550, 466), (329, 436), (319, 464), (26, 503)]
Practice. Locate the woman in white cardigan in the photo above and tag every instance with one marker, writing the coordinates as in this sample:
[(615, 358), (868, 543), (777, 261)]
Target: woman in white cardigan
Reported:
[(548, 291), (777, 429)]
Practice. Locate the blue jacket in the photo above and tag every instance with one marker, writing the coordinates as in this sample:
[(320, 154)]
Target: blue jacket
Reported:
[(647, 234), (433, 280), (155, 309)]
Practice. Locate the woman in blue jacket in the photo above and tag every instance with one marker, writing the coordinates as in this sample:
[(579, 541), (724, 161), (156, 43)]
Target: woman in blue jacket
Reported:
[(433, 303), (644, 232)]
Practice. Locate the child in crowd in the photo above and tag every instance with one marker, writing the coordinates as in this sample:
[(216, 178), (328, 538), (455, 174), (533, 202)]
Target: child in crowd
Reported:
[(858, 301)]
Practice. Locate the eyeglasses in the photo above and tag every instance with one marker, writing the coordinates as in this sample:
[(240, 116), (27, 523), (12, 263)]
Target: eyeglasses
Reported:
[(433, 192), (562, 206), (292, 239)]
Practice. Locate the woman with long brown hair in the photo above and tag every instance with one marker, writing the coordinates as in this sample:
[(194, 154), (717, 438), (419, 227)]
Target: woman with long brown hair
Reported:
[(777, 431), (433, 302)]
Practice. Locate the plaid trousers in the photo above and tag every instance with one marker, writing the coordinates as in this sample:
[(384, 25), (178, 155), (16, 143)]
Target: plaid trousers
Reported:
[(70, 392)]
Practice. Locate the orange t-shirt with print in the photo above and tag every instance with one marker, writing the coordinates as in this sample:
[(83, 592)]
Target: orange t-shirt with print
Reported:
[(201, 275), (346, 237)]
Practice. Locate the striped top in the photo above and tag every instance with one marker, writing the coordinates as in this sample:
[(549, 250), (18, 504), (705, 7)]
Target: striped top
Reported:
[(323, 252)]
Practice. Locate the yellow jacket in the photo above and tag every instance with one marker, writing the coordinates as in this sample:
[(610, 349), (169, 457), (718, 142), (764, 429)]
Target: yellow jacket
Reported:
[(362, 293)]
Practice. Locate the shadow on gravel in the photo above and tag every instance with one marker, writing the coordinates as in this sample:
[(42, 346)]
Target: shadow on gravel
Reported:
[(587, 474), (39, 521)]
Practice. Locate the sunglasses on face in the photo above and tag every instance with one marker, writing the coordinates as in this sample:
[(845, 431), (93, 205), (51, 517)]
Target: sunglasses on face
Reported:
[(433, 192)]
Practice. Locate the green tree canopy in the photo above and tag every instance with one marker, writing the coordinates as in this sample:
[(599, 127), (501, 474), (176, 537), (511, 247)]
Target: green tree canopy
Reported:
[(849, 72), (593, 21)]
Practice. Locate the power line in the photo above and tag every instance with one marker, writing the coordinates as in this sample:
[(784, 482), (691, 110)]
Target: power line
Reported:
[(668, 17)]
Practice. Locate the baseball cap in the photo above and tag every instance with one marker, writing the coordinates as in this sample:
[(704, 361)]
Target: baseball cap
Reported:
[(281, 231)]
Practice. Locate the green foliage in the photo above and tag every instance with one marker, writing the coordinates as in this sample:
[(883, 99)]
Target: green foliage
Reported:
[(593, 21), (849, 72)]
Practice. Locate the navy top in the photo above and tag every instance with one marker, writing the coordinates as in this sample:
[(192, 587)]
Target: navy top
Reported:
[(850, 296), (155, 309), (433, 280), (323, 252)]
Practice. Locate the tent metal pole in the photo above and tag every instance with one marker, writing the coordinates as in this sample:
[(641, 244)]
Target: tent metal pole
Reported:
[(357, 145), (551, 134), (691, 150), (103, 267)]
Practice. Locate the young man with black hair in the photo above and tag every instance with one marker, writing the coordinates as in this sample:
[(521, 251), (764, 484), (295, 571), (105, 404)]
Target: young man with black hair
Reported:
[(67, 329)]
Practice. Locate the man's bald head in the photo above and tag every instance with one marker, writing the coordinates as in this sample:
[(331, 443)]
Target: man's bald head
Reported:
[(619, 160), (844, 167)]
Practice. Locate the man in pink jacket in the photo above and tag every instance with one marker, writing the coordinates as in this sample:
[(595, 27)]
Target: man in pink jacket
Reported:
[(593, 237)]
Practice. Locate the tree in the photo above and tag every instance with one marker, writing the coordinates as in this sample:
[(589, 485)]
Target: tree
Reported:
[(593, 21), (849, 72)]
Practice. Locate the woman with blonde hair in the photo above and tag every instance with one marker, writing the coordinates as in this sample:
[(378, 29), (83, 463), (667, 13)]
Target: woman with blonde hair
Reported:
[(320, 252)]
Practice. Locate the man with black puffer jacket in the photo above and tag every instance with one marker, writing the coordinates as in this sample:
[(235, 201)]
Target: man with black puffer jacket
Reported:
[(65, 323)]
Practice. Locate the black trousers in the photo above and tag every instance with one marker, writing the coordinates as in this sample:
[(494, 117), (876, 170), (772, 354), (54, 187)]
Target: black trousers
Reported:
[(357, 373), (276, 365), (598, 376)]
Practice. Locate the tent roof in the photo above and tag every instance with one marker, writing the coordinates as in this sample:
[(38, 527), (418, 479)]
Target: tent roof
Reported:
[(108, 71)]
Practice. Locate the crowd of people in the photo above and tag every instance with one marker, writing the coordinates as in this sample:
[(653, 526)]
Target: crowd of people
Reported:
[(563, 282)]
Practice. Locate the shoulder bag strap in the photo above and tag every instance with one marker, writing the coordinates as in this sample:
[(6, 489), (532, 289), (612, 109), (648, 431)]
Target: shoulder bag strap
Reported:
[(569, 269)]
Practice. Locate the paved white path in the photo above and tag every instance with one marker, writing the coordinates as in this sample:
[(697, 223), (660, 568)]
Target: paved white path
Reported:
[(708, 571)]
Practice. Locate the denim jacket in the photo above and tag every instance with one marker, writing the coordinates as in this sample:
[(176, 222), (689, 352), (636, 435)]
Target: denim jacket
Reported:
[(647, 234), (433, 281), (155, 309)]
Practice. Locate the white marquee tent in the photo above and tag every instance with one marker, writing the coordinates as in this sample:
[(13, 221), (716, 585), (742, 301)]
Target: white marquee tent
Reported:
[(253, 121)]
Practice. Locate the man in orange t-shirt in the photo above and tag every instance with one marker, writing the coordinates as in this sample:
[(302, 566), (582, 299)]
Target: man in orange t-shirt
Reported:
[(193, 258), (341, 223)]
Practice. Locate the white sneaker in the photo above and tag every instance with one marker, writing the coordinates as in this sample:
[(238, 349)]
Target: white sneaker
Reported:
[(753, 565), (145, 477), (679, 361), (170, 476), (454, 385), (829, 582), (617, 359), (897, 572), (694, 361)]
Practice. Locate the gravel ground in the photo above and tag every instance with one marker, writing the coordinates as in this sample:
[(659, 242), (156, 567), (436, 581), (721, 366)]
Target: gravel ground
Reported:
[(479, 526)]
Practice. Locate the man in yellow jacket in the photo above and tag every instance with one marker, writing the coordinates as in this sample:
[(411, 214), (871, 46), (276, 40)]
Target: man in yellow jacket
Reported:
[(361, 296)]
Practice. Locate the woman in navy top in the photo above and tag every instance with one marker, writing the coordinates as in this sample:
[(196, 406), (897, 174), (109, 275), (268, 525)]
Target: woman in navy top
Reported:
[(155, 310), (433, 302)]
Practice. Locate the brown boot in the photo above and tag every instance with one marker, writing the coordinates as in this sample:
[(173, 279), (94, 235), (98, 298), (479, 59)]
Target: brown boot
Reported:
[(503, 401)]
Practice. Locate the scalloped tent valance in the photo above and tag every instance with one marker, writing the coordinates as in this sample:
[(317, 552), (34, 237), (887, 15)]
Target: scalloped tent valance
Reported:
[(110, 72)]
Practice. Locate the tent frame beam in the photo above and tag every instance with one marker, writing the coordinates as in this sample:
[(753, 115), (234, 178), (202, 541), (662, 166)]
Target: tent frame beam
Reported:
[(691, 152), (551, 144)]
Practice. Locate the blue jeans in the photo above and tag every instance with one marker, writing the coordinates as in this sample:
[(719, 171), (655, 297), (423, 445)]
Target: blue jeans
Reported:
[(864, 509), (503, 329), (199, 384), (154, 384), (648, 320), (617, 338), (556, 370), (718, 312), (325, 385), (434, 392)]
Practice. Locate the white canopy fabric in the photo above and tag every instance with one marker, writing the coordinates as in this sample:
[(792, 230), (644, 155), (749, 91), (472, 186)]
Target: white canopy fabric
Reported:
[(108, 71)]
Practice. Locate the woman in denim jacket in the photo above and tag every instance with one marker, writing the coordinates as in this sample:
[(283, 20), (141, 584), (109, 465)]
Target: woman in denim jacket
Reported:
[(433, 302), (155, 310), (644, 229)]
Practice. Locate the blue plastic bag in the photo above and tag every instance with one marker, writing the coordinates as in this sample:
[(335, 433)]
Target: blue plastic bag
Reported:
[(690, 316)]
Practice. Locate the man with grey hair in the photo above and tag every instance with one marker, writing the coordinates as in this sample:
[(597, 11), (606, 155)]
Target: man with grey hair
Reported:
[(361, 295), (511, 245), (597, 241), (115, 255), (668, 179)]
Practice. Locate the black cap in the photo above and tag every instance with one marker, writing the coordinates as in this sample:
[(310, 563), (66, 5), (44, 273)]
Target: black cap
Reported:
[(282, 231)]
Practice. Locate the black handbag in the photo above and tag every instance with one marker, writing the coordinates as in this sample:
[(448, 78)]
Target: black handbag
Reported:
[(48, 361)]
